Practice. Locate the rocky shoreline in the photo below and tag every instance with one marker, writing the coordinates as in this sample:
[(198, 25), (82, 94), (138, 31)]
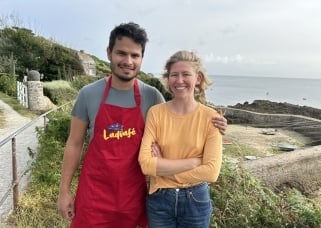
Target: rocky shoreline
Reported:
[(265, 106), (298, 169), (266, 114)]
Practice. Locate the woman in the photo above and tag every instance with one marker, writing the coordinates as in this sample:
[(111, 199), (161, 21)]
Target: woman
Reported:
[(186, 151)]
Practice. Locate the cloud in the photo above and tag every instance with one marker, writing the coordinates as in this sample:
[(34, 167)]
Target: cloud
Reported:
[(223, 59)]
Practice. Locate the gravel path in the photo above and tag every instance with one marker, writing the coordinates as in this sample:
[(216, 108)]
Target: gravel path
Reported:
[(25, 141)]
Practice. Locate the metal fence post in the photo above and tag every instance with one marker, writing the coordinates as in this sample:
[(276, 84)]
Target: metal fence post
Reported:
[(15, 180)]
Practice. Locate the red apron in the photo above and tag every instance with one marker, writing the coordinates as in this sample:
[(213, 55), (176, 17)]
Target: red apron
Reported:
[(112, 188)]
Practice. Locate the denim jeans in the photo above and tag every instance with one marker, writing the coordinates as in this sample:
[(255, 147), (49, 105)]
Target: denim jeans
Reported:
[(180, 207)]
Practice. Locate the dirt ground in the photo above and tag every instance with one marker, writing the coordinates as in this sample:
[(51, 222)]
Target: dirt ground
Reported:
[(254, 138)]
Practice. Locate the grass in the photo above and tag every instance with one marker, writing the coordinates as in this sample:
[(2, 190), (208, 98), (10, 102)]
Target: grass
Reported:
[(238, 150), (57, 84), (37, 206), (2, 120), (15, 105)]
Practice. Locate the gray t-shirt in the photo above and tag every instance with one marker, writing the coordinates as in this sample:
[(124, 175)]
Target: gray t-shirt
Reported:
[(89, 99)]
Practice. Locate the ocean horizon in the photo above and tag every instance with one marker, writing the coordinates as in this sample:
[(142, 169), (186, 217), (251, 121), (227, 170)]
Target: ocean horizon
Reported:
[(231, 90)]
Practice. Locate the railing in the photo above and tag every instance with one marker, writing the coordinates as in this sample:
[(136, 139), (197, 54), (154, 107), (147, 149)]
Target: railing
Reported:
[(15, 180), (12, 137)]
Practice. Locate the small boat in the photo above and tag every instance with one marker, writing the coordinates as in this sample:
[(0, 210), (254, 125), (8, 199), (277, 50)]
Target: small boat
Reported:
[(269, 131), (250, 157), (287, 148)]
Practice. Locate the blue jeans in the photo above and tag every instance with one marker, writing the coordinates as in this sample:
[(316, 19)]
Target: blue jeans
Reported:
[(180, 207)]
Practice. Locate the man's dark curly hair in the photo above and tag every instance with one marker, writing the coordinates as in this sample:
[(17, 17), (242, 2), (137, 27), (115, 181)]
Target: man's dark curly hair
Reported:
[(130, 30)]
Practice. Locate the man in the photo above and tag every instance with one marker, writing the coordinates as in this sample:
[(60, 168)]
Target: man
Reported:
[(112, 189)]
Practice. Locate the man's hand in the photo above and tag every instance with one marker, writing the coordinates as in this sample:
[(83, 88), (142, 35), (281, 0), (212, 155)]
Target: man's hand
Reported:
[(66, 205), (220, 122)]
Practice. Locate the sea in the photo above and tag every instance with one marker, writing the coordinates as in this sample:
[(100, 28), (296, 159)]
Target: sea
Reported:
[(230, 90)]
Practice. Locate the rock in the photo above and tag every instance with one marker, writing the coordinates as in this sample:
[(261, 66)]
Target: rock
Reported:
[(33, 75), (265, 106)]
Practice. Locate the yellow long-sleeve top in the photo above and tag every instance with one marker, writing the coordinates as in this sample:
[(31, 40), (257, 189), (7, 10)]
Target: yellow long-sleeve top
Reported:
[(181, 136)]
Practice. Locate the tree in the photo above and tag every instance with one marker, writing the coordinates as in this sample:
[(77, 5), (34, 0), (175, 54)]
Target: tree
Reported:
[(33, 52)]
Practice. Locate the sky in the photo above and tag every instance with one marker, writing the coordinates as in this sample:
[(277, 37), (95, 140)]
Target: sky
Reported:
[(272, 38)]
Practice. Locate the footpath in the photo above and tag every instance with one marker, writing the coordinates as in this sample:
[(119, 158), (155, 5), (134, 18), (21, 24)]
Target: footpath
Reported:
[(26, 142)]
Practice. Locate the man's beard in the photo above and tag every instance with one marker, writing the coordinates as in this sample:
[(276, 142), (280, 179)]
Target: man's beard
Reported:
[(124, 78)]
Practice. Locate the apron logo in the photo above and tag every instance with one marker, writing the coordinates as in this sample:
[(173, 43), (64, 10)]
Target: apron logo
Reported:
[(116, 131)]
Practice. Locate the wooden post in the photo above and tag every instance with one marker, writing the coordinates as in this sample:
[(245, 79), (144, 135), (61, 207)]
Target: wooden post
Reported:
[(44, 122), (15, 181), (12, 66)]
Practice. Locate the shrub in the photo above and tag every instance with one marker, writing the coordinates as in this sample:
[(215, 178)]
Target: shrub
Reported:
[(58, 126), (8, 85), (80, 81), (59, 92), (242, 201), (155, 82)]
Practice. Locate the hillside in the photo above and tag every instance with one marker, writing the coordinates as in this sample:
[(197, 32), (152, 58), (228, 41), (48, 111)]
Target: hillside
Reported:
[(22, 50)]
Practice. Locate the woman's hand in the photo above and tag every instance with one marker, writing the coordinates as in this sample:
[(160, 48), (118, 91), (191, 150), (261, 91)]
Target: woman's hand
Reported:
[(156, 152)]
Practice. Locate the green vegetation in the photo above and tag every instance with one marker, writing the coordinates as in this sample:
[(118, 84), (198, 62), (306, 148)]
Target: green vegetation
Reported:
[(22, 50), (37, 207), (15, 105), (35, 52), (59, 92), (81, 81), (102, 67), (243, 201), (8, 84), (237, 150), (240, 200), (151, 80), (1, 119)]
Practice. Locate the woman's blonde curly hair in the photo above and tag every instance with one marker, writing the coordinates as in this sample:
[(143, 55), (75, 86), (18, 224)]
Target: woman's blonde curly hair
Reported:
[(189, 56)]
